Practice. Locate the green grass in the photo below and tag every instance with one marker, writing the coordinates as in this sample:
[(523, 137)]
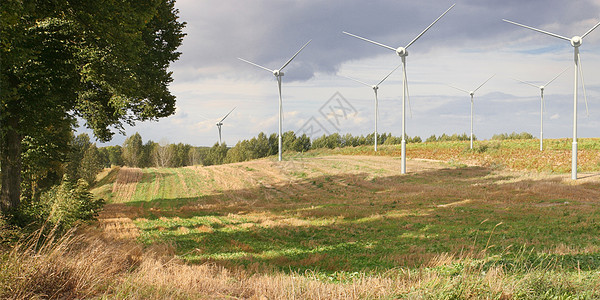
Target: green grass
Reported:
[(332, 220), (384, 228)]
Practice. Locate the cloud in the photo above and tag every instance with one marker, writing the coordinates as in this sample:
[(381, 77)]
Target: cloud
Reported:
[(463, 49), (268, 32)]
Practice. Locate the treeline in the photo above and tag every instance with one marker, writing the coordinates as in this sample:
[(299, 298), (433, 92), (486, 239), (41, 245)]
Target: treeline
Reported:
[(513, 136), (135, 153)]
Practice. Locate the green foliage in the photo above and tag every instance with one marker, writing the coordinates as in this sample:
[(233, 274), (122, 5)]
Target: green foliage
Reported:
[(513, 136), (62, 206), (103, 62), (111, 156), (91, 164), (216, 154), (328, 141), (44, 158), (132, 150), (197, 155), (79, 146), (450, 138)]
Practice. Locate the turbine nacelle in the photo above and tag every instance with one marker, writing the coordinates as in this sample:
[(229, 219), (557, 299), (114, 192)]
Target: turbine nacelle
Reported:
[(576, 41), (375, 88), (401, 51), (542, 88), (472, 93), (219, 124), (277, 73)]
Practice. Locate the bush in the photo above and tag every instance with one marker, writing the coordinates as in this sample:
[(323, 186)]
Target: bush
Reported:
[(513, 136), (62, 206)]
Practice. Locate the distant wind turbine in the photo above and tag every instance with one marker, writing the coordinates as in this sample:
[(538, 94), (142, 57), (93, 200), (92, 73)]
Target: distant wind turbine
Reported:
[(472, 93), (542, 104), (278, 74), (575, 41), (375, 88), (220, 123), (402, 52)]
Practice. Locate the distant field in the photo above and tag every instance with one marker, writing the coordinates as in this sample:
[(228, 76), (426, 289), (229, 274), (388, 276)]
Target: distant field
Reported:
[(349, 213)]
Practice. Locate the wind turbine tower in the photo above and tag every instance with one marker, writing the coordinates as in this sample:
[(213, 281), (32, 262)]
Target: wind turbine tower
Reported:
[(576, 42), (542, 104), (220, 123), (402, 52), (375, 88), (472, 93), (278, 74)]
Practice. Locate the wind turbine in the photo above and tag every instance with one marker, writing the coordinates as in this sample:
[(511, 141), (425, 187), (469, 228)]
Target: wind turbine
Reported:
[(542, 105), (220, 123), (278, 74), (472, 93), (402, 52), (575, 41), (375, 88)]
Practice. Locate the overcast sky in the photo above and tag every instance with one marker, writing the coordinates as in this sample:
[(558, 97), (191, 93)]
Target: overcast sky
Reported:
[(467, 46)]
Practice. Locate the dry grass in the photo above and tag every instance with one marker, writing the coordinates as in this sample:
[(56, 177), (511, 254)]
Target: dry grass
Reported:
[(330, 195), (87, 264), (126, 183)]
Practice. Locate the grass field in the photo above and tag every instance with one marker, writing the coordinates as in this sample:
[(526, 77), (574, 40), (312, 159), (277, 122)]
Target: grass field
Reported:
[(502, 221)]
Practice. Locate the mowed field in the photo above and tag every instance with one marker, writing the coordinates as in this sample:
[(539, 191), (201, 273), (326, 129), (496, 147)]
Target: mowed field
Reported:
[(460, 224)]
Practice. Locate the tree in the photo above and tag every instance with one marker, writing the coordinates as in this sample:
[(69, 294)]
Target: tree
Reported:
[(163, 154), (105, 62), (132, 150), (112, 156), (91, 164), (216, 154), (78, 147)]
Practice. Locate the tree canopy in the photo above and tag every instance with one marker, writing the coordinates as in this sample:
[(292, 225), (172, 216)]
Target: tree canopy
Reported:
[(105, 62)]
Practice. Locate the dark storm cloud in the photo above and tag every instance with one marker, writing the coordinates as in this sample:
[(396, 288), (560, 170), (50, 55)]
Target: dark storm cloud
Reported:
[(269, 32)]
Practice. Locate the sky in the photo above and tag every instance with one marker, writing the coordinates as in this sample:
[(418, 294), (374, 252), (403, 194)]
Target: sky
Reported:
[(467, 46)]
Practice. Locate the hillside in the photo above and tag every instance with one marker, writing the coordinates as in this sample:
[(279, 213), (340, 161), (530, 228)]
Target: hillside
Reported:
[(335, 215)]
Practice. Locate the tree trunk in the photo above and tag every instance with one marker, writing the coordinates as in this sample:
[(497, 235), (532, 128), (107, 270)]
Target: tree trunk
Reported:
[(10, 194)]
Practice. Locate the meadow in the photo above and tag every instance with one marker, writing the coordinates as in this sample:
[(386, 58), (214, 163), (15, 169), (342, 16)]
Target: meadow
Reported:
[(502, 221)]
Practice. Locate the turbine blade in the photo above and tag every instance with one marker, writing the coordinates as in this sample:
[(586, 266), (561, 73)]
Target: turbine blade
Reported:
[(203, 117), (583, 85), (459, 89), (529, 83), (591, 29), (373, 42), (256, 65), (475, 90), (290, 60), (357, 81), (563, 71), (538, 30), (408, 97), (227, 115), (423, 32), (388, 75)]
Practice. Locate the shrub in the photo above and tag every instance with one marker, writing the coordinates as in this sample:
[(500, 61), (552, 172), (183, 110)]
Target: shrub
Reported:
[(513, 136), (62, 206)]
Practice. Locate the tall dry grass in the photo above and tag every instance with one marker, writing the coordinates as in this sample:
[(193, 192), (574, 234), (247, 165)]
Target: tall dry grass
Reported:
[(86, 264)]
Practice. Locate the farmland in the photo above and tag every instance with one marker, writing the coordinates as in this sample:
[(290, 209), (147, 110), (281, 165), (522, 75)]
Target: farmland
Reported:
[(503, 220)]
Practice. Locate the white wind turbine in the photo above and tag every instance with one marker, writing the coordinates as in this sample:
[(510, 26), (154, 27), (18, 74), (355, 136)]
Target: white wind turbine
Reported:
[(472, 93), (542, 104), (375, 88), (575, 41), (278, 74), (402, 52), (220, 123)]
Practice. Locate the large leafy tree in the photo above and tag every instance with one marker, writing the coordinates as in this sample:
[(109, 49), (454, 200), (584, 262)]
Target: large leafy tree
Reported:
[(103, 61)]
